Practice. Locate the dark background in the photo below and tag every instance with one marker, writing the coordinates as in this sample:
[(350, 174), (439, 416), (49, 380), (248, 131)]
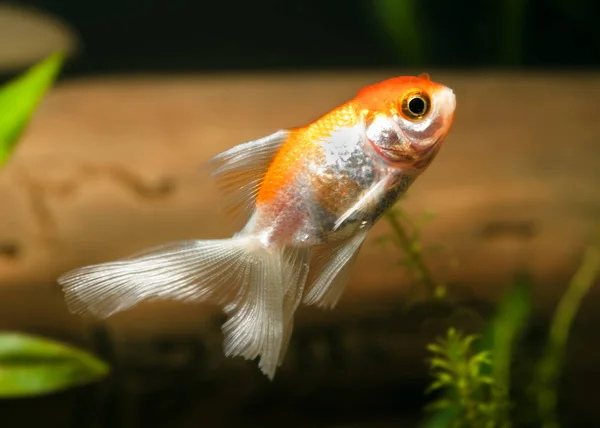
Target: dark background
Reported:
[(178, 35)]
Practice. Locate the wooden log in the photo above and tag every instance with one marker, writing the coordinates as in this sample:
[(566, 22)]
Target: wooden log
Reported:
[(111, 166)]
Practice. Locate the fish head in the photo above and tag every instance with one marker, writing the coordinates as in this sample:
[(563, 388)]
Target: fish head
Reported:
[(406, 119)]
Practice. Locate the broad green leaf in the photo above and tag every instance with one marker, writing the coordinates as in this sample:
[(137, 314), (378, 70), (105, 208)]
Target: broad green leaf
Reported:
[(31, 365), (20, 97)]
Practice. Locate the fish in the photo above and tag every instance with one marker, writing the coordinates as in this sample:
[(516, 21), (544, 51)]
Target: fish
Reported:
[(307, 198)]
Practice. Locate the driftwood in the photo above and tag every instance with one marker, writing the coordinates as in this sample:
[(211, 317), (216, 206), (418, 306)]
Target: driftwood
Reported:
[(110, 166)]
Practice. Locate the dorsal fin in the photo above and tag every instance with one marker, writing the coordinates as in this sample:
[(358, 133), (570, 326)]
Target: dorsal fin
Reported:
[(240, 170)]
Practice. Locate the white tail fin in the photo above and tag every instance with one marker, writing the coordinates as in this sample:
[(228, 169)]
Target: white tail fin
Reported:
[(249, 279)]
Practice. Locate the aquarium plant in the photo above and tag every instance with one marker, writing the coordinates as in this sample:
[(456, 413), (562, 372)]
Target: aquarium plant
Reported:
[(31, 365)]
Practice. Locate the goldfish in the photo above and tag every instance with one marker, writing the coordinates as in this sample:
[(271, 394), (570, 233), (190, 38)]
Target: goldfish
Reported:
[(308, 197)]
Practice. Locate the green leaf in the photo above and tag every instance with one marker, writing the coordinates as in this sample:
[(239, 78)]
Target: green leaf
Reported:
[(477, 362), (435, 386), (468, 341), (435, 348), (444, 380), (20, 97), (505, 327), (481, 358), (31, 365), (439, 363), (440, 405)]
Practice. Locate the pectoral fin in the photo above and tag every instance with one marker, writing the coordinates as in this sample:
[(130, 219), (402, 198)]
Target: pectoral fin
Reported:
[(366, 203)]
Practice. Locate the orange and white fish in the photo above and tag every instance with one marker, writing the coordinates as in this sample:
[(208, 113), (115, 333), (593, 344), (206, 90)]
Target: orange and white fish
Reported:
[(310, 196)]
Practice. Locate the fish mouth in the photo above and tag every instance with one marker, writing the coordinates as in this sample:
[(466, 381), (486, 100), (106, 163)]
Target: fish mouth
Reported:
[(415, 157), (393, 156)]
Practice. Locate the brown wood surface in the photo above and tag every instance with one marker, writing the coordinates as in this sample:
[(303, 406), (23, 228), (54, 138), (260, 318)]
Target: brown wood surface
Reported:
[(110, 166)]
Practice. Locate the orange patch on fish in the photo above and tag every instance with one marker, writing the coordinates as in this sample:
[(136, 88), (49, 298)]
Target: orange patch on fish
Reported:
[(377, 97), (303, 143)]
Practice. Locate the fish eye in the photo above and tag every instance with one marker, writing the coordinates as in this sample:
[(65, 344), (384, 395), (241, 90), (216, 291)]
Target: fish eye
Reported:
[(415, 105)]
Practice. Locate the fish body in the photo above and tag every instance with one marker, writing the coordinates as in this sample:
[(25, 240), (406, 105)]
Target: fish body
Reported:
[(309, 196)]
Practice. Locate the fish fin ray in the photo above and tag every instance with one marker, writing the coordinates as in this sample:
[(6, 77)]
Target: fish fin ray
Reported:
[(239, 171), (330, 268), (177, 270), (255, 317), (365, 204), (239, 273), (297, 262)]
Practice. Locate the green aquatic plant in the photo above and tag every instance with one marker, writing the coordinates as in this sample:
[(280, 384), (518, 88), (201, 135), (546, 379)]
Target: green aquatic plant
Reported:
[(405, 234), (472, 374), (489, 359), (474, 381), (471, 395), (19, 99), (545, 384), (32, 365)]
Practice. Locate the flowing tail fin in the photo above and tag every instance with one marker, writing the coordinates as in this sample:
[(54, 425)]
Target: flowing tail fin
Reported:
[(251, 281)]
